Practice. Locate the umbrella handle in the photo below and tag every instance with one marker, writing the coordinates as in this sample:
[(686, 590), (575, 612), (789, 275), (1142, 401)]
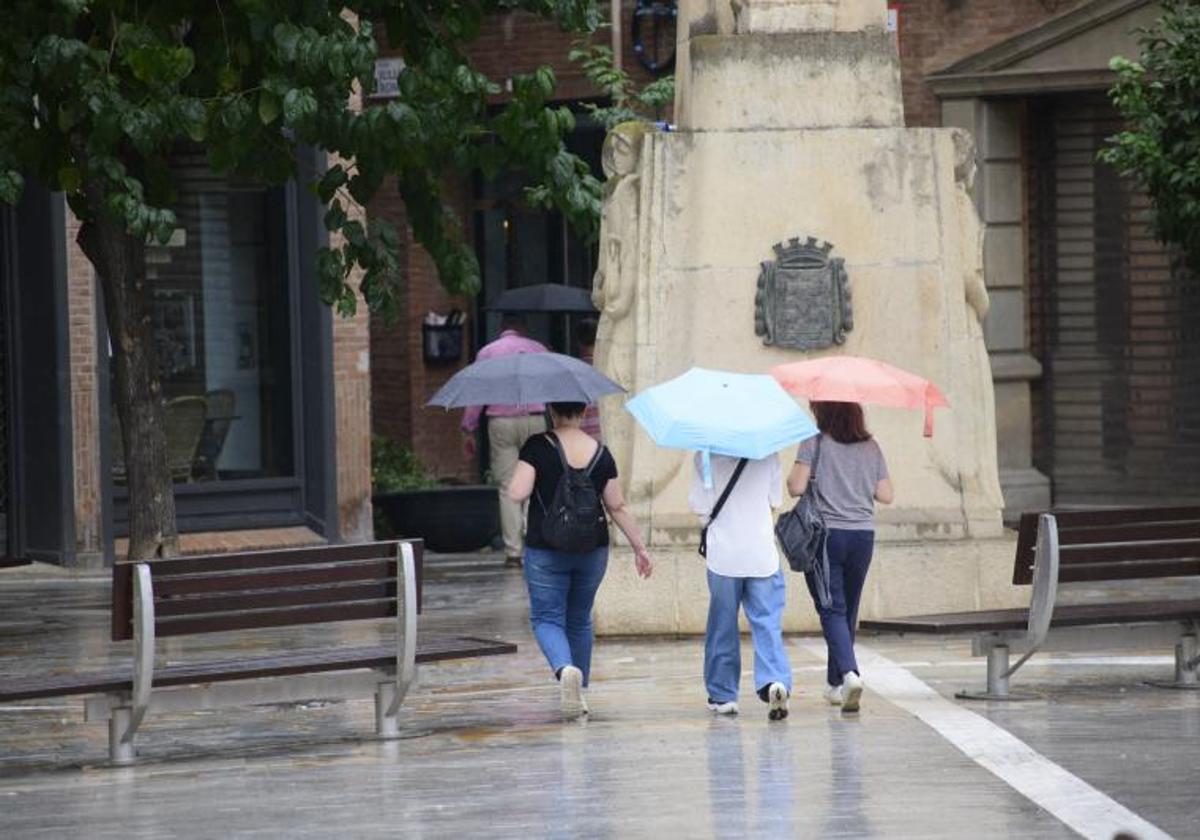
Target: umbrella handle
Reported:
[(706, 468), (928, 421)]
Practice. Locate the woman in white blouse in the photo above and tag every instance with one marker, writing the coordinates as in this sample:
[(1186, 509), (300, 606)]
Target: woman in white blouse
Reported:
[(743, 572)]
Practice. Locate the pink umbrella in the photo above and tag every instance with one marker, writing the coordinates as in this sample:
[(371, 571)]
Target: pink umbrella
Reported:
[(861, 380)]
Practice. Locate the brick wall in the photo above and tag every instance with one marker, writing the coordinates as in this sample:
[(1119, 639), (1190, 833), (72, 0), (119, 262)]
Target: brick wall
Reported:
[(936, 33), (518, 42), (85, 401), (401, 381)]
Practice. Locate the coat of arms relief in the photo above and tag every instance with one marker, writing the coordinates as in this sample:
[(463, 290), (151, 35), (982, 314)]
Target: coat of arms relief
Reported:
[(803, 297)]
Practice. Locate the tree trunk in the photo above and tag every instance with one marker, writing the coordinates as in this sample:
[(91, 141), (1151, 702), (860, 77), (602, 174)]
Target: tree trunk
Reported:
[(119, 260)]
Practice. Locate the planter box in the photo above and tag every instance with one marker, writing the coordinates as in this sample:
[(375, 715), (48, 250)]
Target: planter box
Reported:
[(449, 519)]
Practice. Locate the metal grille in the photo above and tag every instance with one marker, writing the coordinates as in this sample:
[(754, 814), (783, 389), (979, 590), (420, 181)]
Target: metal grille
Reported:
[(1115, 322)]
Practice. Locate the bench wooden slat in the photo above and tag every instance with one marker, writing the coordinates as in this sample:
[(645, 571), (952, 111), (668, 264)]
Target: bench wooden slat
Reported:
[(1118, 533), (173, 607), (1129, 552), (1068, 519), (372, 570), (256, 620), (1110, 540), (1069, 615), (429, 649), (243, 561), (1140, 570), (285, 569)]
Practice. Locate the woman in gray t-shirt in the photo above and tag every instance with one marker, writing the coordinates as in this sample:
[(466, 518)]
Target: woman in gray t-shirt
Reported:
[(851, 477)]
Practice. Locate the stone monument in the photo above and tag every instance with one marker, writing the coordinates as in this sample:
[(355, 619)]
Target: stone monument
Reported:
[(792, 214)]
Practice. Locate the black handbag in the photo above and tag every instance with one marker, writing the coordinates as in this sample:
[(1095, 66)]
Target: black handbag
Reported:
[(737, 473), (802, 535)]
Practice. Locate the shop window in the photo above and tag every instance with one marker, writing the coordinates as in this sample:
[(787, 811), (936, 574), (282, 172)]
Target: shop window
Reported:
[(221, 309)]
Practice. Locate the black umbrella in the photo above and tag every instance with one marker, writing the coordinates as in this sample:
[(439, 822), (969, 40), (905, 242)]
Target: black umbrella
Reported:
[(544, 297)]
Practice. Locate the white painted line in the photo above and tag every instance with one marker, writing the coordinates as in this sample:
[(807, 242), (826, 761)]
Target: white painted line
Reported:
[(1077, 804)]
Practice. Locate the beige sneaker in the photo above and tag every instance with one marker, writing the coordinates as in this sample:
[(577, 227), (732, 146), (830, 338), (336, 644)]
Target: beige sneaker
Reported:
[(833, 695), (777, 700), (852, 688), (570, 686)]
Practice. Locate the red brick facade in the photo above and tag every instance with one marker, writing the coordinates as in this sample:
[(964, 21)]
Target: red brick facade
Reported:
[(936, 33), (85, 399), (401, 382)]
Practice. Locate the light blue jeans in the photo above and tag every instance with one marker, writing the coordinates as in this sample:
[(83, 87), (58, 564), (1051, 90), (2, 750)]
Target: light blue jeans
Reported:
[(562, 588), (763, 601)]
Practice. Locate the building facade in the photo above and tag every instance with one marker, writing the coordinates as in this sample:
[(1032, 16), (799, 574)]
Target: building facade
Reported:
[(267, 393), (1093, 329)]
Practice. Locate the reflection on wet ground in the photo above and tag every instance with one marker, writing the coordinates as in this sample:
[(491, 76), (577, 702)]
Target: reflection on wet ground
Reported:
[(485, 752)]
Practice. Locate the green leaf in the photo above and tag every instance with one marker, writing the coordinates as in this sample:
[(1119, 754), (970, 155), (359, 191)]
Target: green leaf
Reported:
[(269, 107), (299, 105), (11, 186), (330, 182), (69, 179), (335, 216), (193, 118)]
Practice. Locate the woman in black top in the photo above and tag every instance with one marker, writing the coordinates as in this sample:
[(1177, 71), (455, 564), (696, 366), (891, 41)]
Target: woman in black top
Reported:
[(562, 584)]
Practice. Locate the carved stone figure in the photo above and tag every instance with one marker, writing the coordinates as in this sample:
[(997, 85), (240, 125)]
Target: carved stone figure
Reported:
[(803, 297), (615, 285), (965, 169)]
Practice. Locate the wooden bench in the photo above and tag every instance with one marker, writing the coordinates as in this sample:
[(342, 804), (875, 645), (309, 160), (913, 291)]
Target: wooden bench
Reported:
[(1084, 546), (190, 596)]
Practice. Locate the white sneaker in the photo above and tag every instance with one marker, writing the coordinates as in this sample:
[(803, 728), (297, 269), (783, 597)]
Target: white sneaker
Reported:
[(570, 686), (833, 695), (852, 688), (777, 700), (729, 707)]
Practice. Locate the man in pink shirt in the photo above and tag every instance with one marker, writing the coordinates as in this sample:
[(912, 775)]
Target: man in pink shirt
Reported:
[(509, 426)]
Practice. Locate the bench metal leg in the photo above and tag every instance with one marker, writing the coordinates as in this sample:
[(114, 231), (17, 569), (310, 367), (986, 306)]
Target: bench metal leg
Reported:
[(121, 748), (998, 672), (387, 719), (1187, 665)]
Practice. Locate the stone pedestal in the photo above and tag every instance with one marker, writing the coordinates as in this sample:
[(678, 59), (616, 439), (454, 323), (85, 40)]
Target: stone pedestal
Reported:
[(792, 127)]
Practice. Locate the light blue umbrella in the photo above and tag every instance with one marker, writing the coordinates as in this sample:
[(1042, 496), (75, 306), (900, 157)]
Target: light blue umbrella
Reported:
[(738, 414)]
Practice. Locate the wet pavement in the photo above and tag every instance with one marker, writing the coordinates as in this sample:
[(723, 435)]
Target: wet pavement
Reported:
[(484, 751)]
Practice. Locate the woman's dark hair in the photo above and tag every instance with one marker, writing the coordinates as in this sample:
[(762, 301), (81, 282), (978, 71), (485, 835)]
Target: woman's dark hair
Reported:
[(842, 421), (568, 410)]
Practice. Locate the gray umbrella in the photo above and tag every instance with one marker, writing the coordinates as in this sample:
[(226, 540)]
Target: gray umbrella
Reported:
[(543, 297), (525, 379)]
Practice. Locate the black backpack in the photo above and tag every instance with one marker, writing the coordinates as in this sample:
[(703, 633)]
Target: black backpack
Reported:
[(574, 518)]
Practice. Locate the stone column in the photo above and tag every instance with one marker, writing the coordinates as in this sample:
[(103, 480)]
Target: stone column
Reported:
[(790, 125), (1000, 198)]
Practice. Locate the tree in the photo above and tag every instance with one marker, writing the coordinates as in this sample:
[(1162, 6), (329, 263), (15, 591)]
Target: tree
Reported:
[(95, 95), (626, 101), (1159, 97)]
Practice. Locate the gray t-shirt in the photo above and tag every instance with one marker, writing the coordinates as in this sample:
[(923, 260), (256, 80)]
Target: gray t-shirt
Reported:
[(846, 477)]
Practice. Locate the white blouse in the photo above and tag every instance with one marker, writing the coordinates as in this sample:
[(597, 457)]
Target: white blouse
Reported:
[(741, 542)]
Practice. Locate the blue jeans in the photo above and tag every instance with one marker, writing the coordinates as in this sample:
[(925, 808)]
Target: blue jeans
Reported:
[(763, 600), (562, 587), (849, 559)]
